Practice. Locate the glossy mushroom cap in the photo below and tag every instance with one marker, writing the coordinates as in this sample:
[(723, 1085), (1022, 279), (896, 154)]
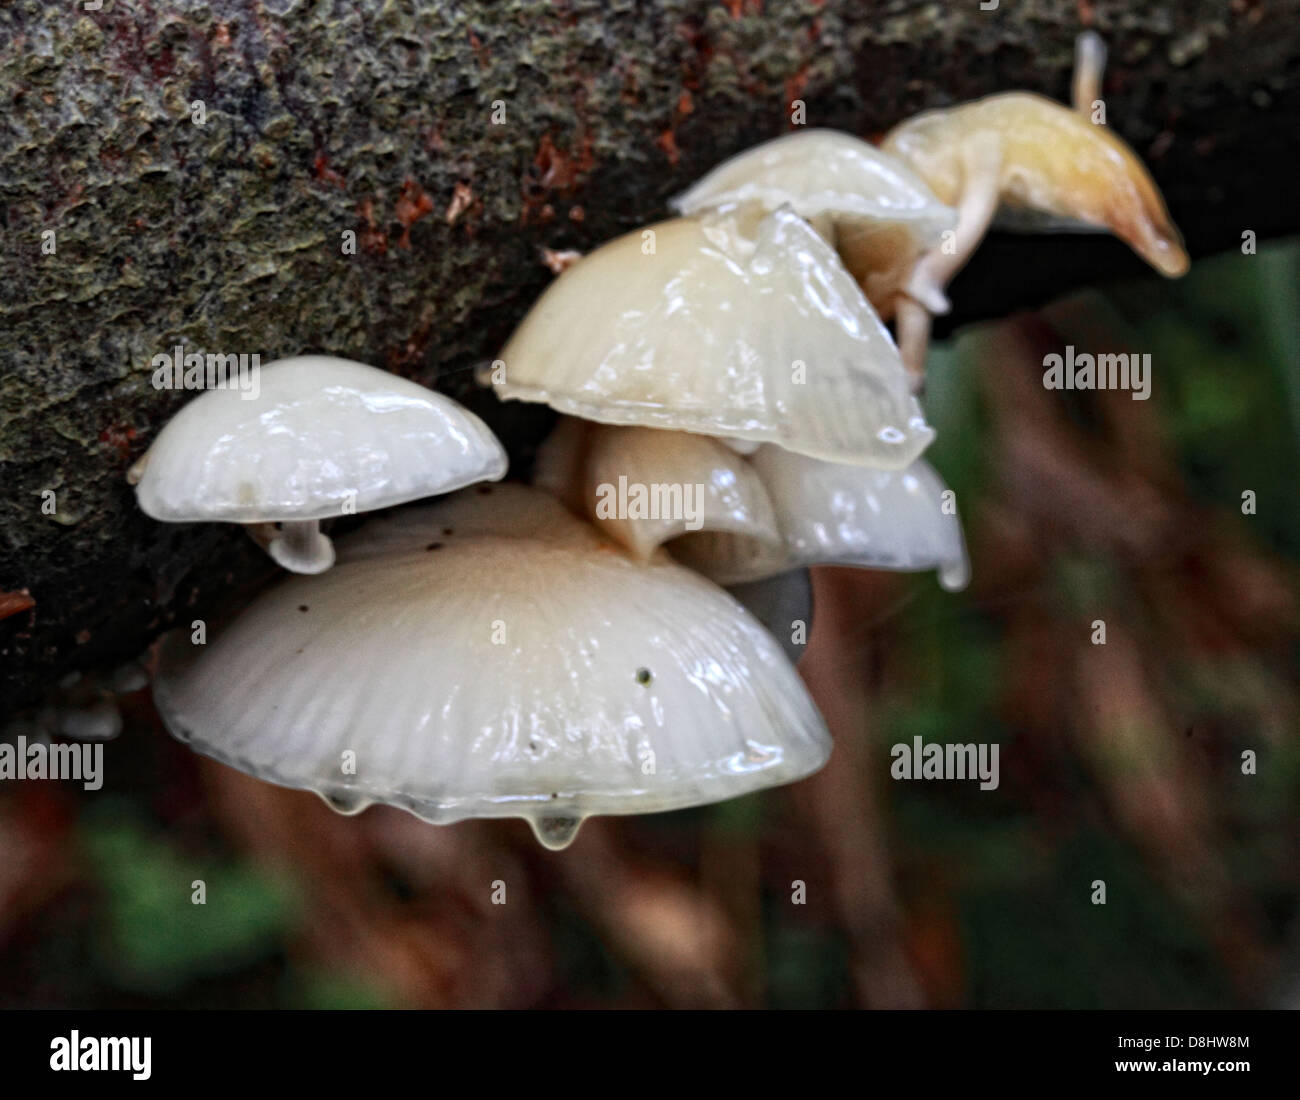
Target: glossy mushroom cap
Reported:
[(731, 327), (1058, 169), (643, 487), (842, 515), (323, 437), (493, 656), (873, 208)]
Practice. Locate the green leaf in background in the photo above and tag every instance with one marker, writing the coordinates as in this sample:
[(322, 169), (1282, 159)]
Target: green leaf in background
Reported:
[(806, 967), (1225, 349), (154, 939), (332, 991), (954, 409), (738, 816), (1046, 945)]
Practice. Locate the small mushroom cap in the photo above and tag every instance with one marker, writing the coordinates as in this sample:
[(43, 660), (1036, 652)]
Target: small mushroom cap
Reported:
[(817, 172), (1055, 162), (880, 213), (732, 326), (843, 515), (676, 484), (323, 437), (511, 663)]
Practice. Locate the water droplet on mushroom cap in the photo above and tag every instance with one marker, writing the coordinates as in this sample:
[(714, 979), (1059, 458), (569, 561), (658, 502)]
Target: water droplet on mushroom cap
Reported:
[(347, 803), (555, 833)]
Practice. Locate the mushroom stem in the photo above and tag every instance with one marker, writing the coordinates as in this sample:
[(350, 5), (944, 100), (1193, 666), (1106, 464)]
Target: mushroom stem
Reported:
[(982, 168), (1089, 68), (297, 546), (912, 322), (136, 472)]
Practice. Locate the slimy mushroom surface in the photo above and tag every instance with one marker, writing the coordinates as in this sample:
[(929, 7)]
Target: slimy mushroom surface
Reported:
[(527, 668), (870, 206), (1050, 160), (322, 437), (643, 487), (844, 515), (730, 325), (1030, 164)]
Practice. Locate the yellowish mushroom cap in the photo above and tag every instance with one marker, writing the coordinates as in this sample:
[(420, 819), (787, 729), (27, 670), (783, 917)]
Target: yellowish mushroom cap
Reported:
[(643, 487), (1054, 161)]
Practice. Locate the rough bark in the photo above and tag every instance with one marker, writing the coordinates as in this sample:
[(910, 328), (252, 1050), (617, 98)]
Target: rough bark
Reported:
[(377, 118)]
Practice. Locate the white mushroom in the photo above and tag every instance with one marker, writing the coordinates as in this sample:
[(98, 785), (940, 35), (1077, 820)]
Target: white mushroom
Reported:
[(322, 437), (869, 205), (723, 325), (842, 515), (643, 487), (491, 655)]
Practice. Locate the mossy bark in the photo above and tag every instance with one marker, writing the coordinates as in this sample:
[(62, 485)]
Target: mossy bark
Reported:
[(198, 163)]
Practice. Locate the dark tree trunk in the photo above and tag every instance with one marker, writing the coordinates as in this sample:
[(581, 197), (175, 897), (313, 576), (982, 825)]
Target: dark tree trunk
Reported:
[(333, 116)]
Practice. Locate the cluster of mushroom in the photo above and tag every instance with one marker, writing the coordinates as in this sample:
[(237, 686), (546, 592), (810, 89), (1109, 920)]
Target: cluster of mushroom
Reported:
[(536, 651)]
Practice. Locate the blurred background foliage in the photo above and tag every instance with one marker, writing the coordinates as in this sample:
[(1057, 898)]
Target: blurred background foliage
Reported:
[(1119, 763)]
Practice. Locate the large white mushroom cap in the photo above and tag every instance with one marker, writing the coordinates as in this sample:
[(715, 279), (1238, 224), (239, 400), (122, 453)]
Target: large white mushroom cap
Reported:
[(731, 326), (322, 437), (493, 656), (842, 515)]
